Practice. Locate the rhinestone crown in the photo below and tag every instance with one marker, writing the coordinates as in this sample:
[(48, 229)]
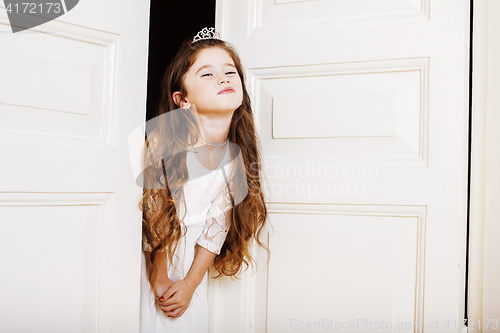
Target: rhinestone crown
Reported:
[(206, 33)]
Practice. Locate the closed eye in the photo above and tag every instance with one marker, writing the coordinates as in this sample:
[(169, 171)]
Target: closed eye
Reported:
[(231, 73), (206, 74)]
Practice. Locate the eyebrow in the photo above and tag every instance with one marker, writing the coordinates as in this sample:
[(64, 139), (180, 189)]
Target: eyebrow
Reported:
[(226, 64)]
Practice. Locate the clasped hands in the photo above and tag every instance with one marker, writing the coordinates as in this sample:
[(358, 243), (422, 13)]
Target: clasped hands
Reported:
[(174, 298)]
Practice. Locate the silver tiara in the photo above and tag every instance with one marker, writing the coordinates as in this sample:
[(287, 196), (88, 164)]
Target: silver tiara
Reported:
[(206, 33)]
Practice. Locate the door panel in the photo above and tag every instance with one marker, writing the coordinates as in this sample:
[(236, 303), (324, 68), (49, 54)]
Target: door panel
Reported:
[(71, 92), (362, 111)]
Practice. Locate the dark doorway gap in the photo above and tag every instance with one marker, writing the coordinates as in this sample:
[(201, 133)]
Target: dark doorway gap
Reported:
[(466, 315), (170, 23)]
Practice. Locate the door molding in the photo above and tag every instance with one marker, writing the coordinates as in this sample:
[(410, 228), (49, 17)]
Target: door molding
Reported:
[(484, 231)]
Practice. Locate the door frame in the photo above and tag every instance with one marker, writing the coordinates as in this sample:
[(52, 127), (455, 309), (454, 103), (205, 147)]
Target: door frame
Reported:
[(484, 251)]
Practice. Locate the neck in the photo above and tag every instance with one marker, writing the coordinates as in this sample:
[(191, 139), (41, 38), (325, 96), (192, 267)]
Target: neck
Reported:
[(215, 127)]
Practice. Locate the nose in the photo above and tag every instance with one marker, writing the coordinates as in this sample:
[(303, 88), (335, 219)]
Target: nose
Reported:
[(223, 78)]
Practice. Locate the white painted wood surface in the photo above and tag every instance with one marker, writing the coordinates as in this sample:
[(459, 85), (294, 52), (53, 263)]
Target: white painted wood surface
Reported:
[(71, 91), (484, 255), (362, 110)]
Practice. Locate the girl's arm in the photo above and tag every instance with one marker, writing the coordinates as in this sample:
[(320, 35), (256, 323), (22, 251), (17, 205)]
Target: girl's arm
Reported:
[(202, 261), (204, 258), (178, 297), (162, 280)]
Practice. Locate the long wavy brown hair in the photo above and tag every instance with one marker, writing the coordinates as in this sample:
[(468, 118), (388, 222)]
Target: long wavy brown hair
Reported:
[(167, 142)]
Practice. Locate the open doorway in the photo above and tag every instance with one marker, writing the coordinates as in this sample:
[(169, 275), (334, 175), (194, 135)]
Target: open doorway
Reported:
[(170, 24)]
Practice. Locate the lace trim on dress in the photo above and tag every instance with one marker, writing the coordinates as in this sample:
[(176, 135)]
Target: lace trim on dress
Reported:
[(217, 224)]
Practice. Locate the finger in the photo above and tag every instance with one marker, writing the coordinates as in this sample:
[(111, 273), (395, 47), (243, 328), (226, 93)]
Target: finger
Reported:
[(175, 313), (164, 302), (160, 296), (170, 291), (164, 306), (172, 300), (182, 312), (163, 298), (169, 313), (170, 308)]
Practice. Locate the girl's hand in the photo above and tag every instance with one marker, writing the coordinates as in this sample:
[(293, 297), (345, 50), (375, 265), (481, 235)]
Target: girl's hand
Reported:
[(162, 281), (176, 299), (161, 286)]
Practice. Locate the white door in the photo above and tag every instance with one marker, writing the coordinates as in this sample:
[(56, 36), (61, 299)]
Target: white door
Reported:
[(362, 110), (71, 91)]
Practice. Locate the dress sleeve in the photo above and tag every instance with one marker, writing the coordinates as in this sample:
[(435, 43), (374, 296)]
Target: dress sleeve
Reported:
[(217, 224)]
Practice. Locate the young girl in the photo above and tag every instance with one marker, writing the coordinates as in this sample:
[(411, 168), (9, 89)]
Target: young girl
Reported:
[(202, 200)]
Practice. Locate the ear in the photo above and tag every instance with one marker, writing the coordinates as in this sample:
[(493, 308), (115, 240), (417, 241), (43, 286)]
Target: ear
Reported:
[(184, 103)]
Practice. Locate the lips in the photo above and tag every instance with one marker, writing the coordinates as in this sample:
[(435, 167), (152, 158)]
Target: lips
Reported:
[(226, 90)]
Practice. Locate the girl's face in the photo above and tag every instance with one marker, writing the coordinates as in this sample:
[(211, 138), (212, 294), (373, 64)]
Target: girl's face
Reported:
[(212, 83)]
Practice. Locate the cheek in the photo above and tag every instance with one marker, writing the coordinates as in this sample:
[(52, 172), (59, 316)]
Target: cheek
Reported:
[(240, 87), (241, 93), (200, 92)]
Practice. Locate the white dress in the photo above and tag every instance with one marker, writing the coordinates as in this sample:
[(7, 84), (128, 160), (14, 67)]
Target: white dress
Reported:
[(207, 199)]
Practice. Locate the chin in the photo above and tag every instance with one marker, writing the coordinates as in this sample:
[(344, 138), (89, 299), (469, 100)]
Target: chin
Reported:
[(229, 107), (230, 110)]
